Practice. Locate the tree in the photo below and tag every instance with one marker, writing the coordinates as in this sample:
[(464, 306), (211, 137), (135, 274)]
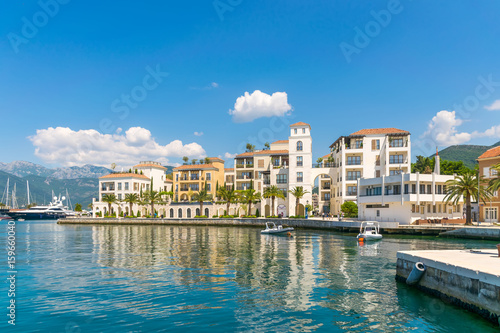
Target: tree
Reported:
[(113, 166), (267, 146), (109, 199), (273, 192), (193, 161), (78, 207), (250, 147), (207, 160), (298, 192), (422, 165), (349, 208), (185, 159), (319, 161), (229, 196), (90, 206), (202, 196), (131, 198), (465, 186), (248, 197), (151, 197), (2, 204)]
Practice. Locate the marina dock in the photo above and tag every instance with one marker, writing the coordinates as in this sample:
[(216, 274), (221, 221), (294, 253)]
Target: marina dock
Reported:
[(467, 278)]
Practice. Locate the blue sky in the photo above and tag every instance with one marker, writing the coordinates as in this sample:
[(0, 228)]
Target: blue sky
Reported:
[(417, 63)]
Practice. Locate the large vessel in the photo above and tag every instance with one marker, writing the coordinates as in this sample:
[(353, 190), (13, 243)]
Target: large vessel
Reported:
[(55, 210)]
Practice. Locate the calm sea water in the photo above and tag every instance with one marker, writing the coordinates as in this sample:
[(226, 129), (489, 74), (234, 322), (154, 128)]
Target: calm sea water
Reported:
[(219, 279)]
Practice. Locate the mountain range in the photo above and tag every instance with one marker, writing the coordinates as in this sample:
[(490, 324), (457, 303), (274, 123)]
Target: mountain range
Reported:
[(466, 153), (81, 183)]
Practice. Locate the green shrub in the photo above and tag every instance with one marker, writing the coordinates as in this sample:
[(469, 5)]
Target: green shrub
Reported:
[(200, 217), (249, 216), (138, 213), (121, 214), (215, 216), (350, 209), (297, 217)]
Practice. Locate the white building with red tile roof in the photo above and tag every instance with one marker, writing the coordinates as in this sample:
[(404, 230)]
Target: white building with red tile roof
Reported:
[(367, 153)]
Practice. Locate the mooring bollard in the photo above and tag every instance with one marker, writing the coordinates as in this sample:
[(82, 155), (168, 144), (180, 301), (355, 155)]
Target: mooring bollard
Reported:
[(416, 274)]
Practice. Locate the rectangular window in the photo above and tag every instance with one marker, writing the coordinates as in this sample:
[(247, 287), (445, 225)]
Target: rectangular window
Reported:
[(353, 175), (281, 179), (209, 187), (395, 142), (428, 208), (299, 160), (422, 189), (378, 212), (406, 188), (295, 131), (413, 188), (300, 177), (377, 173), (429, 189), (136, 186), (119, 196), (119, 186), (177, 177), (396, 189), (438, 189), (395, 172), (395, 159), (353, 160), (434, 209), (260, 163), (358, 144), (303, 131), (413, 208), (126, 186), (209, 176), (352, 190)]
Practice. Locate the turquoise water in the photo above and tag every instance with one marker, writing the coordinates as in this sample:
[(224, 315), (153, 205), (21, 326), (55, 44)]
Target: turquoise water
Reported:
[(219, 279)]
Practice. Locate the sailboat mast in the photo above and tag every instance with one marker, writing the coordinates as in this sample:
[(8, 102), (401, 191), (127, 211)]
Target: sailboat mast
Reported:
[(28, 189)]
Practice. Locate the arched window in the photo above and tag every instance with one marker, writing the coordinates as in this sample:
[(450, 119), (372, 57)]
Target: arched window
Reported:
[(299, 145), (197, 212), (171, 212), (207, 212), (179, 213), (188, 214)]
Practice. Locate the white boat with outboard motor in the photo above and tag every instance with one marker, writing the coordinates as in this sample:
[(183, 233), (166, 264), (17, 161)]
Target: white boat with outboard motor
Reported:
[(369, 231), (272, 228)]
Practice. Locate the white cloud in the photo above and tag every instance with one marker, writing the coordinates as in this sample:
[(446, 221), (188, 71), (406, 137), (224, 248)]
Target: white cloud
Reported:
[(198, 133), (229, 155), (492, 132), (258, 104), (494, 106), (66, 147), (442, 129), (214, 85)]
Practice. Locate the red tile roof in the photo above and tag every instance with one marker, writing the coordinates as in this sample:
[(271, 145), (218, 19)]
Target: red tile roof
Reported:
[(124, 175), (300, 123), (149, 165), (216, 159), (279, 141), (493, 152), (369, 131), (326, 156), (195, 167), (265, 152), (169, 181)]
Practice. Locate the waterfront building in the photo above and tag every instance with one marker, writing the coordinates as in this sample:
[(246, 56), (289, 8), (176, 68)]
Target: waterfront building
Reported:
[(287, 164), (367, 153), (122, 183), (488, 211), (405, 198), (189, 179)]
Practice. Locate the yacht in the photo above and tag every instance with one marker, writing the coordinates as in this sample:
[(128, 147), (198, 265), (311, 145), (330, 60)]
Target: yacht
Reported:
[(55, 210), (369, 231)]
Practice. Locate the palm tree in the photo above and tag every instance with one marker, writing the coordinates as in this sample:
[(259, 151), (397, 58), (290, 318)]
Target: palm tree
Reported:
[(110, 199), (298, 192), (202, 196), (185, 159), (494, 183), (267, 146), (131, 198), (248, 197), (273, 192), (228, 196), (465, 186), (193, 161), (319, 161), (207, 160)]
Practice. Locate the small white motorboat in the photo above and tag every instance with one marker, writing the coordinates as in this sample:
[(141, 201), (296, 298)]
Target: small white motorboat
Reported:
[(369, 231), (272, 228)]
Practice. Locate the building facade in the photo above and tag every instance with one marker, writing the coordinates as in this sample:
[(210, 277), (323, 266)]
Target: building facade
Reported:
[(405, 198), (488, 211), (189, 179), (368, 153)]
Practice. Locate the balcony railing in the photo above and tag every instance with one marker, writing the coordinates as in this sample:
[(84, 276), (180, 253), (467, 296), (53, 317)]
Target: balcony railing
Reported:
[(354, 163), (352, 193), (195, 178), (240, 166), (351, 178), (244, 177), (267, 181), (249, 166), (325, 188), (326, 165)]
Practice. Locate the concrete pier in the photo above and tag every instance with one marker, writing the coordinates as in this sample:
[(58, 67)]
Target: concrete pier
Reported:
[(467, 278)]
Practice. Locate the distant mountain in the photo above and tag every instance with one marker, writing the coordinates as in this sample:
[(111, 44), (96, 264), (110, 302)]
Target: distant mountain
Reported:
[(23, 168), (466, 153), (80, 190)]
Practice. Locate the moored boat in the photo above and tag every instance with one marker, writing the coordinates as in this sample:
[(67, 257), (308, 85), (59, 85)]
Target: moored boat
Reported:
[(369, 231), (272, 228)]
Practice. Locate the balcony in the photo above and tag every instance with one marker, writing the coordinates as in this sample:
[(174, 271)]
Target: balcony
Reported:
[(354, 163), (325, 188), (267, 182), (244, 177), (249, 166), (195, 178), (352, 193), (351, 178)]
